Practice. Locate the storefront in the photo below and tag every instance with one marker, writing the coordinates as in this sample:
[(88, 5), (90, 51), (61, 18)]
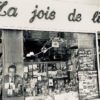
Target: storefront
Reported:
[(51, 63), (57, 59)]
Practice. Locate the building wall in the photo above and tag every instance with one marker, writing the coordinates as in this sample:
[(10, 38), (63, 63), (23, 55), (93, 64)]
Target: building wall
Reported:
[(86, 41), (12, 49)]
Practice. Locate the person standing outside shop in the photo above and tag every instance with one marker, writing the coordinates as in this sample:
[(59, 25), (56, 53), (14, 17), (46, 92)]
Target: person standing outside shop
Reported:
[(12, 82)]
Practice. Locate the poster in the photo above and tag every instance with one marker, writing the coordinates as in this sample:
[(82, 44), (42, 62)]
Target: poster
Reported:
[(86, 59), (88, 84)]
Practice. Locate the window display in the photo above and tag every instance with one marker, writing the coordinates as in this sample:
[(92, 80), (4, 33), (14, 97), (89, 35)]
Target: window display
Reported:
[(54, 65), (35, 79), (51, 59), (61, 58)]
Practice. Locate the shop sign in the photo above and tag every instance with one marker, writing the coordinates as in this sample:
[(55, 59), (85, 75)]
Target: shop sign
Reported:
[(48, 15)]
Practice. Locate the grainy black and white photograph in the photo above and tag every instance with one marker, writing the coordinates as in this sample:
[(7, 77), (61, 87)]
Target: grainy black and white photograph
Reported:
[(48, 65), (49, 49)]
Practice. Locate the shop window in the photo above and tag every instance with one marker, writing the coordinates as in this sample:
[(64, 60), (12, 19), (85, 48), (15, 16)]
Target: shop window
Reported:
[(48, 62), (59, 62), (55, 64)]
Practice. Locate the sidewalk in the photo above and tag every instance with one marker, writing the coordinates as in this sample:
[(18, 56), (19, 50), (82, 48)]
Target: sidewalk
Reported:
[(67, 96)]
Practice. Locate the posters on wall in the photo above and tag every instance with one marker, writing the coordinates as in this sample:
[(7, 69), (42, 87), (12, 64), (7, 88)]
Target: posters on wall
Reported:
[(88, 74), (88, 88), (86, 59)]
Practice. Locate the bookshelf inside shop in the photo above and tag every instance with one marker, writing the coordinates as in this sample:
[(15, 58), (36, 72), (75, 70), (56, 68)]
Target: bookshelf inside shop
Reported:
[(51, 76)]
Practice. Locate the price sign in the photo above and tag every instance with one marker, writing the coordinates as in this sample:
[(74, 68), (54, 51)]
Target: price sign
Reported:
[(88, 87), (55, 44)]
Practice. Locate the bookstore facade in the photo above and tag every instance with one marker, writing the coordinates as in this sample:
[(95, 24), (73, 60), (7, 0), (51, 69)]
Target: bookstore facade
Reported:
[(50, 54), (52, 63)]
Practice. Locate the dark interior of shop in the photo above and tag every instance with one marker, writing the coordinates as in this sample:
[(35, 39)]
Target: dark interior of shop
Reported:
[(32, 44)]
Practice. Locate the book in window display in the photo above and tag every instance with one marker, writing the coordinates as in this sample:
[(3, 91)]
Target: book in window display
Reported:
[(36, 80)]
